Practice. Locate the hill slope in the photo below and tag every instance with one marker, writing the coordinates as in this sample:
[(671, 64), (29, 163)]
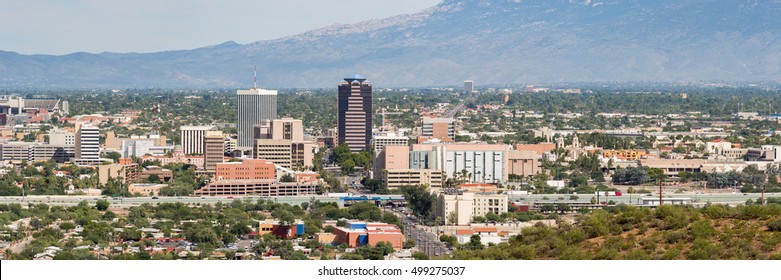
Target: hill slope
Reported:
[(490, 41)]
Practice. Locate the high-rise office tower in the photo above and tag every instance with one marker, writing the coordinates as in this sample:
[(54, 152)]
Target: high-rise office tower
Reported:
[(469, 86), (214, 150), (87, 145), (191, 138), (255, 106), (355, 113)]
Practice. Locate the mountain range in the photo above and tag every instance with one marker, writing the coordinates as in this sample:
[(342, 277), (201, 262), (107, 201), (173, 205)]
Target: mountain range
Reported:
[(489, 41)]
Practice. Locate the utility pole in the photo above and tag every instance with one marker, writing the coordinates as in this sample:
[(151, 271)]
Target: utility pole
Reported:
[(660, 191)]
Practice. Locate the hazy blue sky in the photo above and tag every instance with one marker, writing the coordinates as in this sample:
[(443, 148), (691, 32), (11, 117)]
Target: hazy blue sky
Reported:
[(60, 27)]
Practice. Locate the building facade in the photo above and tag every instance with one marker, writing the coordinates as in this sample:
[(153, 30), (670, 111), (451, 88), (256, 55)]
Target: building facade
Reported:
[(254, 107), (214, 150), (438, 128), (191, 138), (282, 129), (524, 163), (477, 163), (248, 169), (469, 86), (396, 178), (87, 145), (456, 207), (354, 126)]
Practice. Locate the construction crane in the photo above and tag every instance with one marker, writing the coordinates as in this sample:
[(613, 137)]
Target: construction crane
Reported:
[(383, 113)]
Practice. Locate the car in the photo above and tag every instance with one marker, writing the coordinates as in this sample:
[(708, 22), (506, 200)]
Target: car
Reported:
[(154, 197), (203, 197), (230, 197)]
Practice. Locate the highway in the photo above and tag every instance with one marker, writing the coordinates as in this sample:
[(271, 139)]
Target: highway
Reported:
[(136, 201), (697, 198)]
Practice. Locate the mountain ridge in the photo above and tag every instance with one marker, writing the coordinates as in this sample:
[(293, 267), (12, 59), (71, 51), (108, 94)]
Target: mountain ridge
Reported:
[(489, 41)]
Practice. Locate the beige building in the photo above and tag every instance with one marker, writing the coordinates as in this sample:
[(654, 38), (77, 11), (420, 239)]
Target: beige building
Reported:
[(285, 153), (277, 151), (281, 141), (463, 206), (145, 189), (524, 163), (284, 128), (128, 172), (214, 150), (395, 178)]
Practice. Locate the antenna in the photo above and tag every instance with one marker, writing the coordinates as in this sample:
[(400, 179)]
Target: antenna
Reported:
[(255, 81)]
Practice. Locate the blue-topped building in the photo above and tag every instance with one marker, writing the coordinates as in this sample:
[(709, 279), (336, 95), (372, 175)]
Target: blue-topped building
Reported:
[(354, 126)]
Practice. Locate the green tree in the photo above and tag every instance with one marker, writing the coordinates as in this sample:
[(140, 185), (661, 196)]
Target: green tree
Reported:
[(102, 205)]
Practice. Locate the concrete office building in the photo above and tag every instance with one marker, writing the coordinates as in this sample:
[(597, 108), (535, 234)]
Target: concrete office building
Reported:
[(254, 106), (248, 169), (277, 151), (214, 150), (396, 178), (438, 128), (284, 129), (127, 172), (142, 147), (285, 153), (267, 187), (464, 205), (62, 137), (524, 163), (355, 113), (281, 141), (36, 152), (192, 138), (388, 139), (87, 145), (483, 163)]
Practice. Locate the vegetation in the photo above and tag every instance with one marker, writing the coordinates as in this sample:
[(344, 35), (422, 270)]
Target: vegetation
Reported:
[(626, 232)]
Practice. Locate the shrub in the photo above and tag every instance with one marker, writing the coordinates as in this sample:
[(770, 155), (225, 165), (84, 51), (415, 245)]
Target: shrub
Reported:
[(775, 225)]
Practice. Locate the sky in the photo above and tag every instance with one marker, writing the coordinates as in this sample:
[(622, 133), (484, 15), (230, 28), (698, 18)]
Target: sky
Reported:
[(62, 27)]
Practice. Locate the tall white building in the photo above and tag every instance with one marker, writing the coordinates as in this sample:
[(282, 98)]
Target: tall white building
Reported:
[(87, 145), (254, 106), (191, 138), (388, 139)]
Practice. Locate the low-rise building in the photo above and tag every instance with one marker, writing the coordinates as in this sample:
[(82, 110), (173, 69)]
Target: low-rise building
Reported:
[(268, 187), (248, 169), (127, 172), (356, 233), (396, 178), (458, 207), (524, 163), (145, 189)]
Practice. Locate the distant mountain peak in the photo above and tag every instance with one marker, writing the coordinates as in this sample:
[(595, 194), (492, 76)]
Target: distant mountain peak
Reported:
[(489, 41)]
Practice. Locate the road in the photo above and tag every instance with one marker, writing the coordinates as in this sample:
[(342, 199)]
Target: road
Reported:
[(425, 240), (716, 198), (136, 201), (452, 113)]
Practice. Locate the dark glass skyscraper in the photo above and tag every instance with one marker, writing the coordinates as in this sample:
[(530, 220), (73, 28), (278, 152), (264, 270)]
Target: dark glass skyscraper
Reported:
[(355, 113)]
